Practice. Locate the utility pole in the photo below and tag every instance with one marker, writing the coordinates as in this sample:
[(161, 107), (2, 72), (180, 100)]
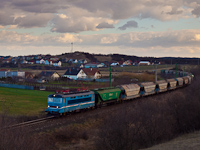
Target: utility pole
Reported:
[(176, 70), (155, 73), (110, 76)]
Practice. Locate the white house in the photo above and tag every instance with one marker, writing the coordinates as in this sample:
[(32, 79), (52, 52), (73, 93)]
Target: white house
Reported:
[(42, 61), (144, 63), (114, 64), (81, 74), (92, 73), (57, 63), (100, 65), (24, 62), (72, 73)]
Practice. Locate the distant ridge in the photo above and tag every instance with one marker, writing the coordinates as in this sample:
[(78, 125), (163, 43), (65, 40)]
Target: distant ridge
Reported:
[(121, 57)]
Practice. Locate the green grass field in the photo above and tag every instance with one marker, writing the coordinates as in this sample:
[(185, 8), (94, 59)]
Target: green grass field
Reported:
[(22, 102)]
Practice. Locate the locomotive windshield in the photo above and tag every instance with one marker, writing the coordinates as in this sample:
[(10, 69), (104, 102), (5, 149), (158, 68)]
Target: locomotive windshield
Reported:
[(55, 100), (50, 99)]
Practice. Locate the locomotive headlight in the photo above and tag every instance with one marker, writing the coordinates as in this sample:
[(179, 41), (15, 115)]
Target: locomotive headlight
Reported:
[(48, 106), (56, 106)]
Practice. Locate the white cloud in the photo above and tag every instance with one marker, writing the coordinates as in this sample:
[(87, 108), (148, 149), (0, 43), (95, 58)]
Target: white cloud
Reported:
[(109, 40), (69, 38), (10, 38), (168, 43), (78, 20), (90, 15), (12, 27)]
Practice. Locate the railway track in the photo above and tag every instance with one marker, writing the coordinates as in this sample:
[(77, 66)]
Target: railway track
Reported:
[(29, 123)]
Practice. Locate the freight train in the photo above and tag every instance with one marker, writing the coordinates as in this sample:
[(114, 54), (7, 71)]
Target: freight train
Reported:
[(66, 101)]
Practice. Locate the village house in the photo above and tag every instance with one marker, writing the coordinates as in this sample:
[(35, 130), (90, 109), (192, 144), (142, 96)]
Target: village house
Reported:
[(54, 58), (144, 63), (29, 75), (24, 62), (82, 61), (127, 63), (16, 74), (31, 62), (48, 62), (74, 73), (3, 73), (57, 63), (29, 57), (74, 61), (50, 75), (41, 61), (38, 57), (6, 61), (114, 64), (94, 65), (92, 73), (100, 65)]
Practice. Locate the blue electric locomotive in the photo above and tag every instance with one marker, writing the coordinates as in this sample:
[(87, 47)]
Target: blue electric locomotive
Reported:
[(60, 103)]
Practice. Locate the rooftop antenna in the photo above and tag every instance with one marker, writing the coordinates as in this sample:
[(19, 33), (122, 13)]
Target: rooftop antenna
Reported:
[(72, 47)]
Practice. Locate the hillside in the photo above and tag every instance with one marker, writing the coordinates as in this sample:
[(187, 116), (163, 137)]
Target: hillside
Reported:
[(121, 57)]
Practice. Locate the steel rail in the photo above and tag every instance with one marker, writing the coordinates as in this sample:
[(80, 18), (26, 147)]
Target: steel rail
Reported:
[(28, 123)]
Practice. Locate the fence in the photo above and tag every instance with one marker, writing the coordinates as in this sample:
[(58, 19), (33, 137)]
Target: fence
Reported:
[(97, 80), (16, 86)]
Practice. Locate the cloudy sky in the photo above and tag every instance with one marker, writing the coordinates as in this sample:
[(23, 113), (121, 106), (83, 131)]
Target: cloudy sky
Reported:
[(133, 27)]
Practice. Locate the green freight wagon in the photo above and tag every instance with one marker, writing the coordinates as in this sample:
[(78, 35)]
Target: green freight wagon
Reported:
[(106, 95)]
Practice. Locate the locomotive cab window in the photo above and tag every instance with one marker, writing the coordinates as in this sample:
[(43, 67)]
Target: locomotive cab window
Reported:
[(50, 99), (57, 100)]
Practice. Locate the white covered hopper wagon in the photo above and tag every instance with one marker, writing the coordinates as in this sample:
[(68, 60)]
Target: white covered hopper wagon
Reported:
[(147, 88), (161, 86), (179, 82), (187, 80), (130, 91), (171, 84)]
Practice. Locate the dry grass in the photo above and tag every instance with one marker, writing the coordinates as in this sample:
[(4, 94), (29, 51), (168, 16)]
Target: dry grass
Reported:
[(142, 77), (103, 58), (77, 136), (185, 142), (37, 72)]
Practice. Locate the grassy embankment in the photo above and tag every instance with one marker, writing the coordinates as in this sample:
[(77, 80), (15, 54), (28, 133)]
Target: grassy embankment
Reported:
[(22, 102)]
